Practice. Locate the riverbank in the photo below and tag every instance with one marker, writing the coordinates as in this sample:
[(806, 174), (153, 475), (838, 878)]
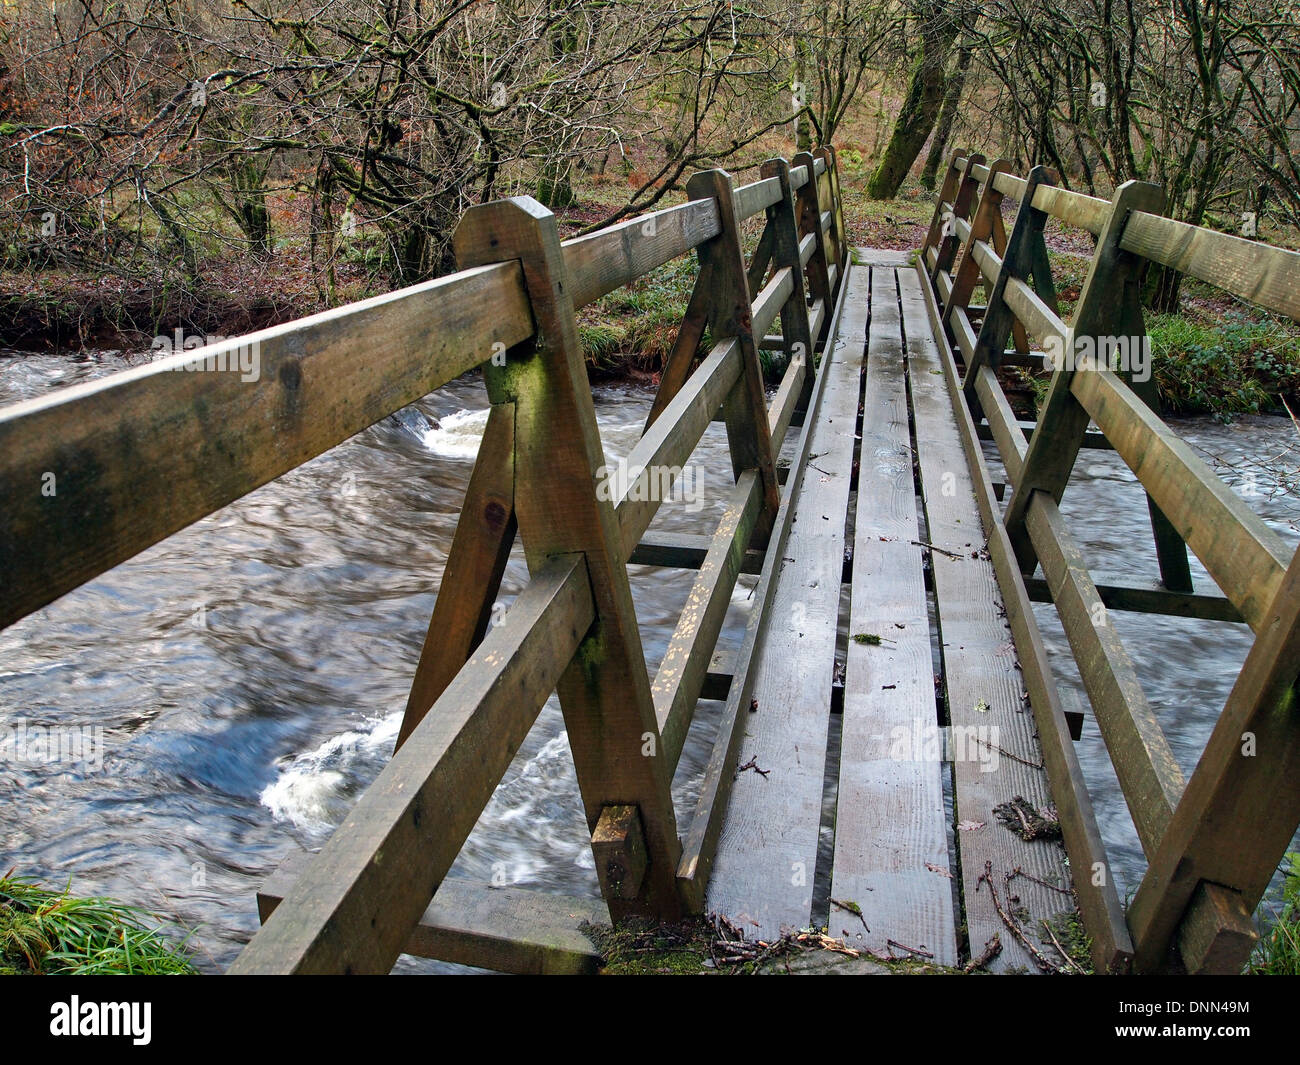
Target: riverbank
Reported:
[(53, 933)]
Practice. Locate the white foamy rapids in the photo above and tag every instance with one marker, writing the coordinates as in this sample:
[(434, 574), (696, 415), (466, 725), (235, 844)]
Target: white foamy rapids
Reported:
[(312, 790), (458, 435), (533, 824)]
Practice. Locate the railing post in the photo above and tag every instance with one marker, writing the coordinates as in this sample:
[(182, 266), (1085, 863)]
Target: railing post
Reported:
[(559, 469), (1109, 305), (981, 228), (796, 332), (729, 315), (1017, 262), (827, 199), (808, 204), (1109, 311), (961, 208), (837, 206), (947, 191), (1238, 813)]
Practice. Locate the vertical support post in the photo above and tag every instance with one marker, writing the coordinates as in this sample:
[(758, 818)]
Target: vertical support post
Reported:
[(479, 551), (827, 198), (837, 206), (1239, 810), (961, 208), (981, 228), (559, 464), (1017, 261), (784, 227), (1109, 306), (808, 204), (947, 192), (730, 310), (1109, 313)]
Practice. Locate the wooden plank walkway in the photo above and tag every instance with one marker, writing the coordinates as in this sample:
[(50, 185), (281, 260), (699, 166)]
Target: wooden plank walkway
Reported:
[(767, 854), (896, 855)]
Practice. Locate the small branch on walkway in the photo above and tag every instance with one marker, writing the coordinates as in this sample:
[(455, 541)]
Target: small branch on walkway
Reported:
[(1017, 871), (1039, 958), (853, 908), (991, 950), (891, 943), (1062, 951), (941, 550)]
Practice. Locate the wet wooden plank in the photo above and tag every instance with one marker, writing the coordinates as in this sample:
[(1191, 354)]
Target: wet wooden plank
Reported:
[(996, 755), (700, 843), (767, 852), (891, 848), (1099, 905)]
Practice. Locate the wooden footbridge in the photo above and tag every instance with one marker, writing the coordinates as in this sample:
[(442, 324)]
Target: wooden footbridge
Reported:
[(861, 501)]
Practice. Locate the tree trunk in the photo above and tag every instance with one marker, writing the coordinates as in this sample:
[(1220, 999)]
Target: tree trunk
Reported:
[(947, 116), (918, 115)]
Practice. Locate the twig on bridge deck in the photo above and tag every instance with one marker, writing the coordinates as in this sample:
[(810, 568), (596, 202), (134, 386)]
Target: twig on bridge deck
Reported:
[(1017, 871), (1061, 950), (853, 908), (891, 943), (1039, 958), (941, 550), (753, 764), (991, 950)]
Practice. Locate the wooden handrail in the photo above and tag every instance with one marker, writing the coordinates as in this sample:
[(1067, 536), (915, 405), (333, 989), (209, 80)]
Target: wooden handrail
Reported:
[(1195, 896)]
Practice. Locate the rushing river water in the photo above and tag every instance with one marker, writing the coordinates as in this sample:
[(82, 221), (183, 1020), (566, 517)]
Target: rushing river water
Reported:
[(244, 679)]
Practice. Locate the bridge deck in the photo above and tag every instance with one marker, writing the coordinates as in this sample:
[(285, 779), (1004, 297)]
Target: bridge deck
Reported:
[(933, 703)]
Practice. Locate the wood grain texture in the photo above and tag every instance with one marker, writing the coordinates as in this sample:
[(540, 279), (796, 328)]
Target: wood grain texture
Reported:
[(981, 675), (681, 673), (607, 260), (891, 848), (509, 930), (140, 454), (699, 846), (670, 440), (1244, 556), (767, 854), (1099, 904), (1250, 269), (1144, 764), (563, 507)]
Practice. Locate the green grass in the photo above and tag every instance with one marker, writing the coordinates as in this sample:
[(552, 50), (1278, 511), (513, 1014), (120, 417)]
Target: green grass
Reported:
[(44, 932), (1278, 951), (1234, 366), (635, 326)]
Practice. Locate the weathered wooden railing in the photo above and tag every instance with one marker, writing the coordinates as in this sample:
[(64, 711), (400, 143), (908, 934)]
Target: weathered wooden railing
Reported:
[(143, 453), (1212, 842)]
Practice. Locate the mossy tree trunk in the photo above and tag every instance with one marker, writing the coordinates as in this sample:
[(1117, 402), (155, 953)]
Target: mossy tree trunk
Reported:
[(920, 109), (947, 117)]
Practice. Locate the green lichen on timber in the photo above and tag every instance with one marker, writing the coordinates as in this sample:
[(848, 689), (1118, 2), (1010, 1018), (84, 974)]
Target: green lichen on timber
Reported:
[(870, 638), (1068, 929), (519, 376), (591, 655)]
